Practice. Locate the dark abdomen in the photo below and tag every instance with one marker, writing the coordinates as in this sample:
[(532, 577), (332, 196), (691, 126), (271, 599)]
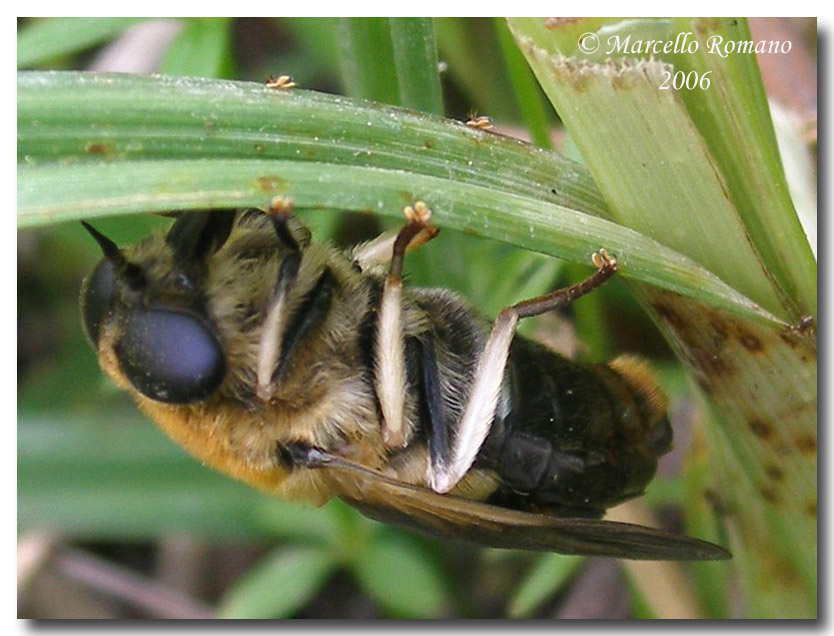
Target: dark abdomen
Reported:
[(577, 438)]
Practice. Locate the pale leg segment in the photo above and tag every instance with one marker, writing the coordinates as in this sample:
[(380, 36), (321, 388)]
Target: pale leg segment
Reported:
[(275, 321), (390, 372), (379, 250), (480, 407)]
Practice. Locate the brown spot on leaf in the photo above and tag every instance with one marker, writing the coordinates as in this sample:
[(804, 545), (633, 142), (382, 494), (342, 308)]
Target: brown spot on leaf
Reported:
[(428, 143), (623, 79), (769, 494), (709, 362), (619, 82), (555, 23), (719, 507), (789, 338), (751, 343), (784, 570), (259, 148), (719, 327), (270, 183), (707, 26), (784, 450), (774, 472), (581, 81), (98, 148), (670, 316), (760, 428), (806, 443), (811, 509)]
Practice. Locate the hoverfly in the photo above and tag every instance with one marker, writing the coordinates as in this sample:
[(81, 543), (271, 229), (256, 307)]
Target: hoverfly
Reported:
[(309, 372)]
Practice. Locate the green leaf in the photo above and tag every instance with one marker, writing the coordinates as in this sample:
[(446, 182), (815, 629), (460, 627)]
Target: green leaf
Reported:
[(736, 124), (469, 50), (280, 585), (86, 191), (713, 581), (366, 54), (76, 117), (415, 60), (317, 39), (103, 476), (201, 49), (474, 181), (528, 95), (298, 522), (653, 152), (700, 171), (400, 576), (671, 177), (547, 577), (42, 40)]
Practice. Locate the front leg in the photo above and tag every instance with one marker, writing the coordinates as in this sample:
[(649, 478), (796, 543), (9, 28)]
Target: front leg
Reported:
[(275, 320), (301, 455), (445, 471), (390, 371)]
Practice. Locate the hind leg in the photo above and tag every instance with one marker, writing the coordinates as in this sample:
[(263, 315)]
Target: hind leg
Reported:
[(447, 469)]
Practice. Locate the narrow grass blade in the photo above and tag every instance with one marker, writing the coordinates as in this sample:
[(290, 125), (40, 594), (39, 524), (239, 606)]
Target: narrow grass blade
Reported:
[(280, 585), (365, 54), (394, 570), (201, 49), (531, 103), (48, 38), (548, 575), (415, 60)]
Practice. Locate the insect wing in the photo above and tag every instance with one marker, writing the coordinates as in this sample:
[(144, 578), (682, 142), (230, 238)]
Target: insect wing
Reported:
[(449, 517)]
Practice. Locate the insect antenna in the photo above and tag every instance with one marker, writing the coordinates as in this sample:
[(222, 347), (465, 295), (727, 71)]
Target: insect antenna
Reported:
[(132, 274)]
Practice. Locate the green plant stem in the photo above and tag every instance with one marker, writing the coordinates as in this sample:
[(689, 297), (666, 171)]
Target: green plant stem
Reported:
[(415, 60), (49, 38), (366, 51), (527, 94)]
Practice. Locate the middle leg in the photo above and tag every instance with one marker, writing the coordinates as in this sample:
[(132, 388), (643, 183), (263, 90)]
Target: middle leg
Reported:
[(390, 372)]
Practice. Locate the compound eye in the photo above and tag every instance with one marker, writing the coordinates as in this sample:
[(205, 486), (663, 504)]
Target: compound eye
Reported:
[(97, 293), (170, 356)]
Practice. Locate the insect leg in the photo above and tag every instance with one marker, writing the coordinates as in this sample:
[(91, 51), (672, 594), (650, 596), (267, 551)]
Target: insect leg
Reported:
[(196, 235), (269, 349), (378, 251), (389, 354), (437, 428), (489, 374)]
